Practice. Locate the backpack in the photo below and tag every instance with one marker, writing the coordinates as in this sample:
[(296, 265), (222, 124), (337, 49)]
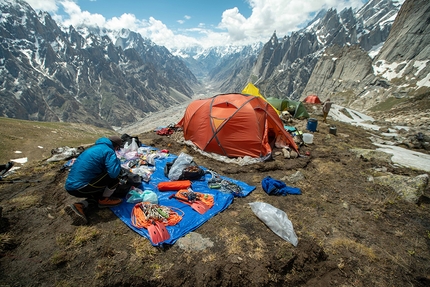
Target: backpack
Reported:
[(129, 139), (190, 172), (127, 180)]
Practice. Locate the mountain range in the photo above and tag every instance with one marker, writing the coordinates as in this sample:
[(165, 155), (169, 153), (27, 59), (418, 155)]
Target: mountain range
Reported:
[(359, 58)]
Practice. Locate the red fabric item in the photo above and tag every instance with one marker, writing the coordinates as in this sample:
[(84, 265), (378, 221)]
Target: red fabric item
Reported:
[(165, 132), (174, 185)]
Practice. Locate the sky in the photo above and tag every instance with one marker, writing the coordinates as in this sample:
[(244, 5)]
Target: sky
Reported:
[(183, 23)]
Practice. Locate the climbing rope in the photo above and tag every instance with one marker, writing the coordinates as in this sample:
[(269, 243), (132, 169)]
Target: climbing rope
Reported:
[(144, 213)]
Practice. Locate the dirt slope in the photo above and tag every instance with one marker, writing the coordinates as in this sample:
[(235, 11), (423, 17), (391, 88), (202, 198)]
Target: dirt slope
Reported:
[(351, 231)]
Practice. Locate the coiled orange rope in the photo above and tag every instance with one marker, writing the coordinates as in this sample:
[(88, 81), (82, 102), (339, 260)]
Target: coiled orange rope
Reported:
[(156, 212)]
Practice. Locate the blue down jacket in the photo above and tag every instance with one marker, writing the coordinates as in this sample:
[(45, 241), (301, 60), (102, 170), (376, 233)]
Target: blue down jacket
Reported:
[(276, 187), (94, 161)]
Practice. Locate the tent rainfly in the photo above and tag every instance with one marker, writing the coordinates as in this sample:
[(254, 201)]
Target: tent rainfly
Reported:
[(296, 109), (312, 99), (234, 125), (252, 90)]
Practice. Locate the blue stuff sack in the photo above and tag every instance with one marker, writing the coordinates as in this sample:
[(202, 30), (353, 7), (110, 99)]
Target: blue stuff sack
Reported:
[(276, 187)]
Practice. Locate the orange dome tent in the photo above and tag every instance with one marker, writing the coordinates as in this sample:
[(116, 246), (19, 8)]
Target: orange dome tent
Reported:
[(234, 125), (312, 99)]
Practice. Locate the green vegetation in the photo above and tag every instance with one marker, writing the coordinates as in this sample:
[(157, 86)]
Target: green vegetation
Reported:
[(84, 234), (388, 104), (25, 137)]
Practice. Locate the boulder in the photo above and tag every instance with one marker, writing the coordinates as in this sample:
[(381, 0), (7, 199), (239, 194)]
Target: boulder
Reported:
[(408, 188)]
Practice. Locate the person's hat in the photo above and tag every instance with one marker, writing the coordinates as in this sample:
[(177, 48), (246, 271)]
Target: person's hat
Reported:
[(116, 141)]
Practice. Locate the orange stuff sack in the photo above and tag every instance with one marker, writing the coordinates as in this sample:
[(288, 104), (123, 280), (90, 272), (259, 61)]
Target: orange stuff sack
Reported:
[(174, 185)]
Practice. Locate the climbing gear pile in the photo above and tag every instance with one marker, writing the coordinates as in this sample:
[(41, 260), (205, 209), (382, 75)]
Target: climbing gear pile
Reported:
[(192, 196), (216, 182), (199, 202), (144, 213)]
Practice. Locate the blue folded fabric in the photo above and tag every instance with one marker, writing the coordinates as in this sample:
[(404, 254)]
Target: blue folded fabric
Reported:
[(276, 187)]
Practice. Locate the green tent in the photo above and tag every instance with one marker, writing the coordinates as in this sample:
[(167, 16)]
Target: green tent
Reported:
[(297, 109)]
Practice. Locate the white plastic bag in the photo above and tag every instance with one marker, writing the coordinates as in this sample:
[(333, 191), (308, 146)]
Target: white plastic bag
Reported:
[(181, 162), (276, 220), (134, 147)]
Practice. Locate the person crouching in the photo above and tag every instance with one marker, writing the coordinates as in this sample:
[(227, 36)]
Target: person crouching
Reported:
[(94, 176)]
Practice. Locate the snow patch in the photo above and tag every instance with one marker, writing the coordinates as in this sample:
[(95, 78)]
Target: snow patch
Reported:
[(401, 156), (407, 158), (424, 82), (375, 50), (20, 160), (338, 113)]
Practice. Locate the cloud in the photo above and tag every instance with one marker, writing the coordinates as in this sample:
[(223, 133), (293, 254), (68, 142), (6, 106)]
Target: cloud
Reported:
[(128, 21), (44, 5), (186, 17), (78, 17), (270, 15), (267, 16)]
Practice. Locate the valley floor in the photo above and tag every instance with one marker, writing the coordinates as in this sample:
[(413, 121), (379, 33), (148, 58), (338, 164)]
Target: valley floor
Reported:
[(351, 231)]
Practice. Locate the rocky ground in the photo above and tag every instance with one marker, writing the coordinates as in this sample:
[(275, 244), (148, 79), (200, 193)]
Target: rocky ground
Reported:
[(352, 230)]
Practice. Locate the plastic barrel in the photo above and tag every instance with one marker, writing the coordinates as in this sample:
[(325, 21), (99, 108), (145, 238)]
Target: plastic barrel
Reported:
[(312, 125)]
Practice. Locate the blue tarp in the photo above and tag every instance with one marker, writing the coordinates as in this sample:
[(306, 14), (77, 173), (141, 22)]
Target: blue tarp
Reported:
[(191, 219)]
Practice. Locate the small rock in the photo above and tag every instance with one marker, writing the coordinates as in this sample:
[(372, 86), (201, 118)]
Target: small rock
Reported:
[(294, 154), (286, 153), (194, 241), (298, 176)]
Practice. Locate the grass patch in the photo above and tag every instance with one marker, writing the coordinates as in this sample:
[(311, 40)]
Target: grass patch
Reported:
[(7, 242), (209, 258), (25, 136), (63, 239), (234, 240), (84, 234), (59, 258), (388, 104), (105, 267), (352, 245), (259, 250), (144, 249), (24, 202)]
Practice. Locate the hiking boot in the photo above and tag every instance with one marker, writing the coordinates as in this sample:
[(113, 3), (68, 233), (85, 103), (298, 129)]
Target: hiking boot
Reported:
[(109, 202), (76, 212)]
